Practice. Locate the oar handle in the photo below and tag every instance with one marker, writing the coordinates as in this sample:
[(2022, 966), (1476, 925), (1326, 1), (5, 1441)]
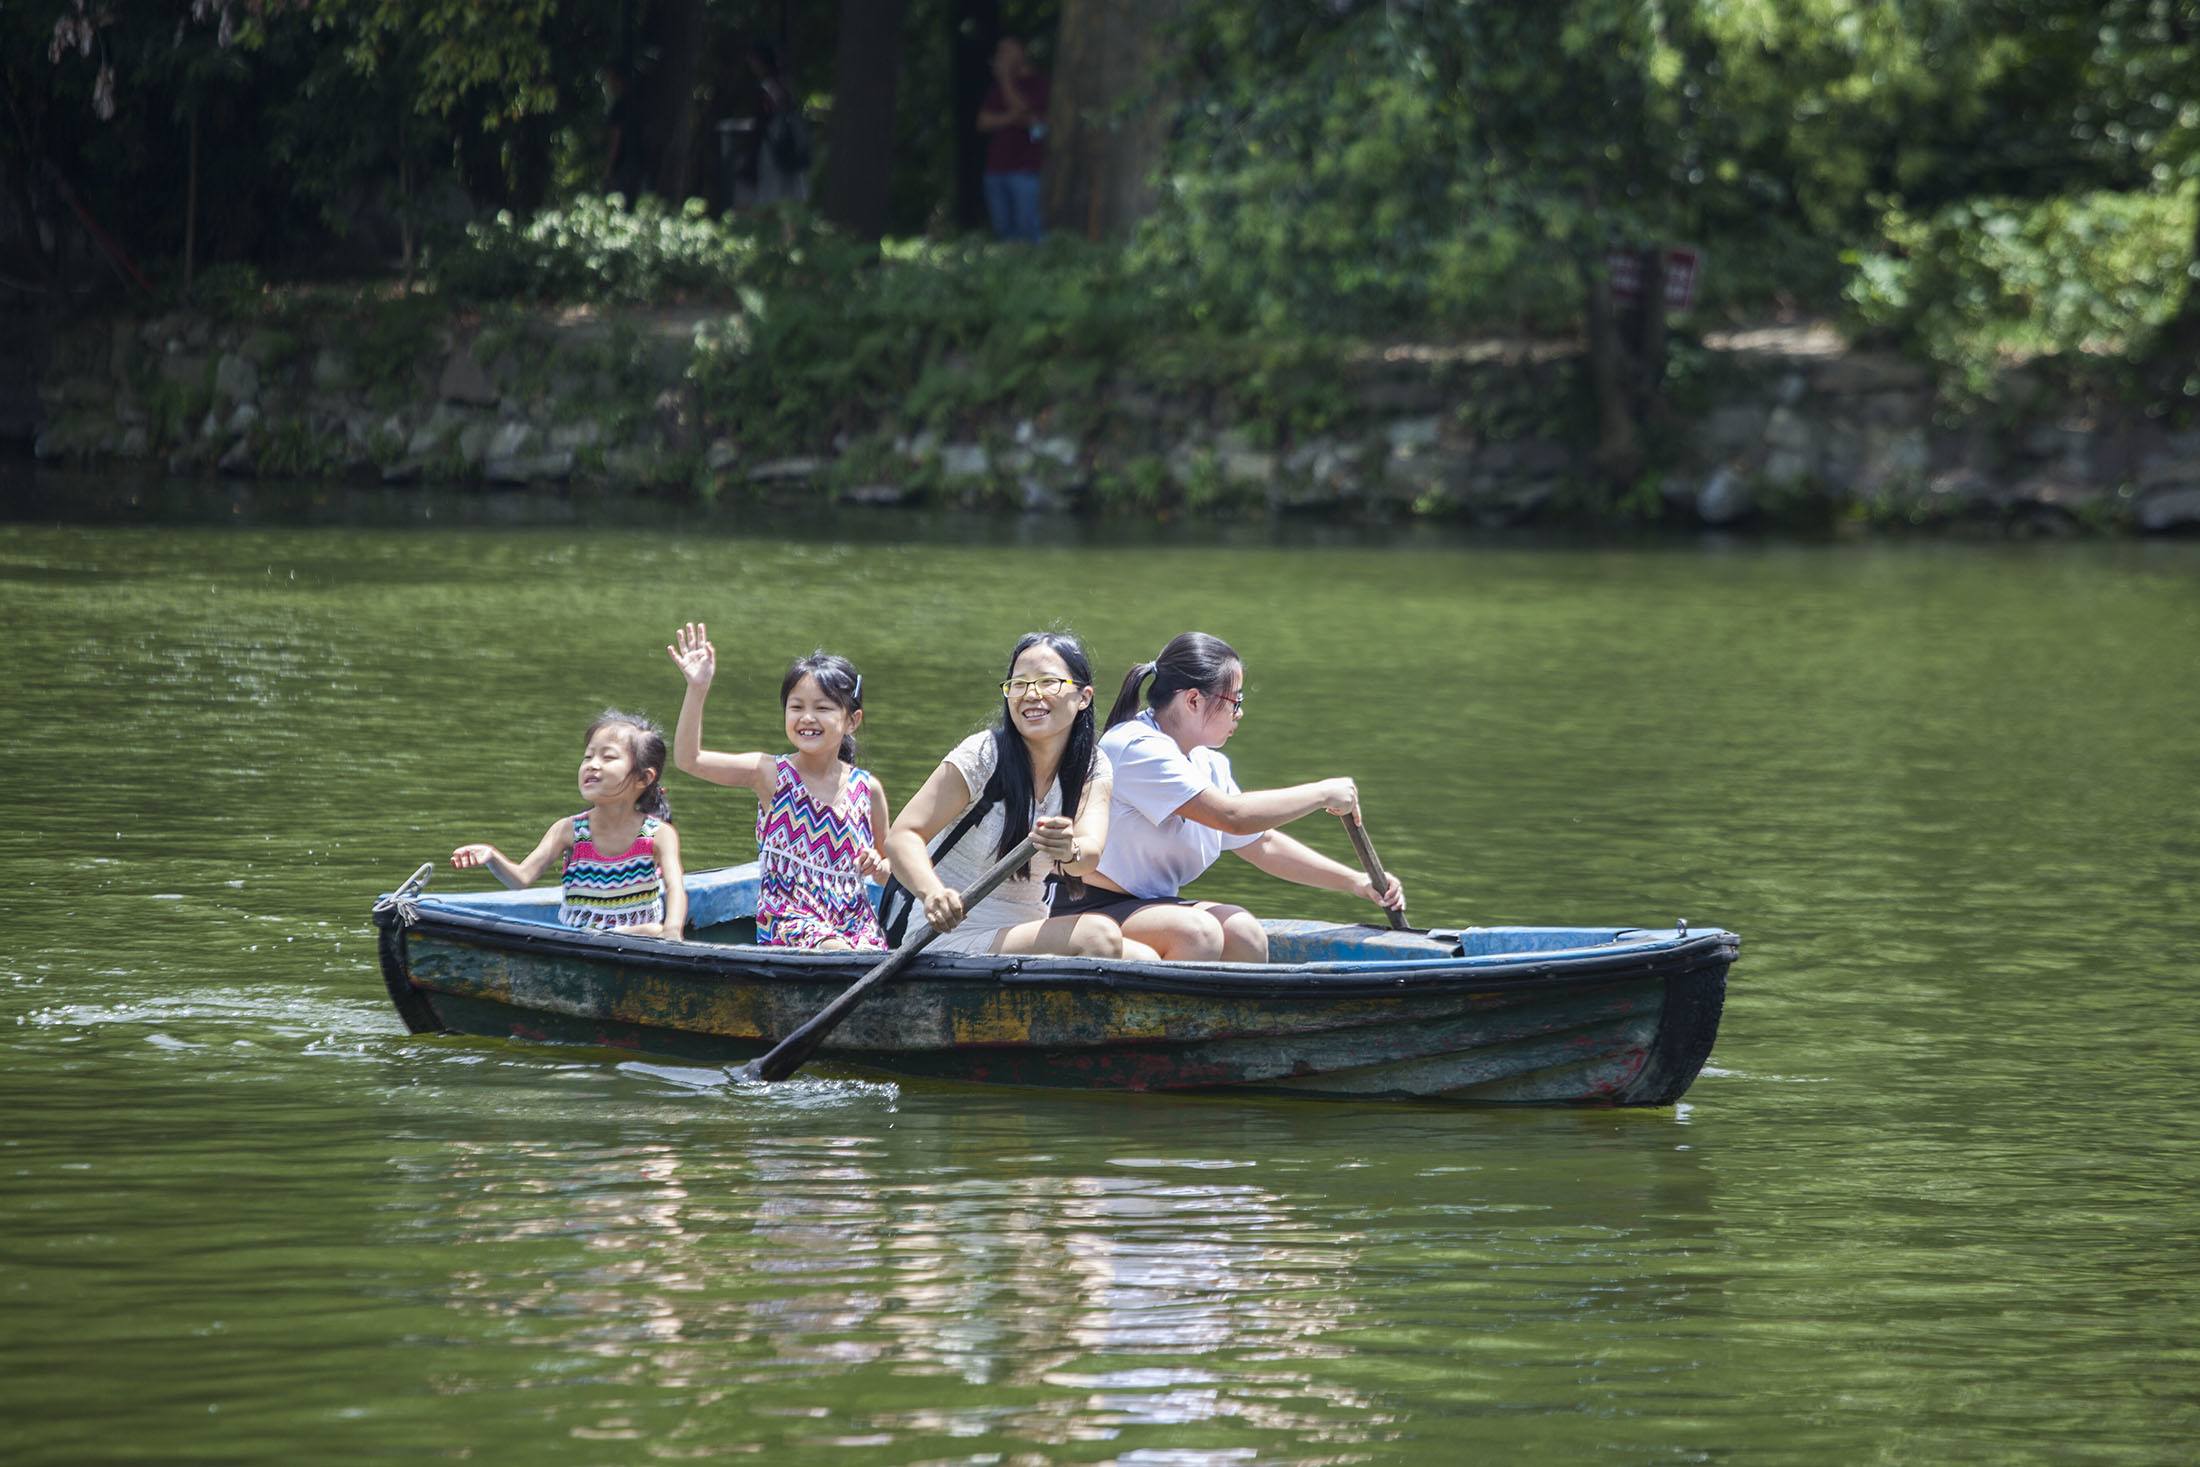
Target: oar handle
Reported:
[(1373, 866), (792, 1052)]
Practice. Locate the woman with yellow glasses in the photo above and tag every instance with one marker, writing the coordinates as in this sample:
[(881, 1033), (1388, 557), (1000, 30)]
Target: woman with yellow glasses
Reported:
[(1039, 772)]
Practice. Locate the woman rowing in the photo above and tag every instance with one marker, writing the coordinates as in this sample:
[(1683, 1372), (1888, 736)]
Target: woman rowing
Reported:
[(1039, 772), (1174, 808)]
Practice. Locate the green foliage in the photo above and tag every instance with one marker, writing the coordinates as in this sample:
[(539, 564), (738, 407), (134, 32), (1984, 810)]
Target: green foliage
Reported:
[(1439, 168), (460, 54), (939, 331), (595, 249), (1976, 283), (598, 249), (1141, 484), (231, 292), (287, 448), (390, 343), (174, 407)]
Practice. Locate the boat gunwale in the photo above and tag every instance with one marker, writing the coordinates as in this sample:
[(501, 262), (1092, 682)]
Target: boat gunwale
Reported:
[(1661, 957)]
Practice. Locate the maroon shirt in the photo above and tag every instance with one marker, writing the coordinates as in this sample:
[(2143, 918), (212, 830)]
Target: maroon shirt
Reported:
[(1013, 149)]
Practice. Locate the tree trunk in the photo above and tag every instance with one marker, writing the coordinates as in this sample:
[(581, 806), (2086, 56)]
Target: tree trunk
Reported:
[(1644, 340), (974, 28), (2180, 334), (859, 147), (1108, 120), (1619, 447), (44, 247), (404, 213), (531, 163), (191, 209), (674, 30), (481, 165)]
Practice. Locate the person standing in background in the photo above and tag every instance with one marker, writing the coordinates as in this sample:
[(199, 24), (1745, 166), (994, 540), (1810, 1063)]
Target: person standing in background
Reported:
[(778, 155), (1014, 118)]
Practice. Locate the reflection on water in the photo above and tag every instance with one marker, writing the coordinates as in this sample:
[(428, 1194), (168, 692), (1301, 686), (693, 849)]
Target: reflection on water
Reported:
[(1929, 1202)]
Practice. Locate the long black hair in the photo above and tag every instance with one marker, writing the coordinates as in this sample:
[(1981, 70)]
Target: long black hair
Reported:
[(1191, 660), (837, 679), (1011, 783), (645, 745)]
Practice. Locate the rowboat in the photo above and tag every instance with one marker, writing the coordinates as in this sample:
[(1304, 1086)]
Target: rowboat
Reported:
[(1534, 1015)]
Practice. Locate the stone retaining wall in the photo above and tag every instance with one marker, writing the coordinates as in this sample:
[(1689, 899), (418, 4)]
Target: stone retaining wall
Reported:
[(1780, 426)]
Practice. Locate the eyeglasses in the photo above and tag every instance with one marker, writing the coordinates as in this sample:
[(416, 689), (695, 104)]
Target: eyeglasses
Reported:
[(1235, 700), (1045, 687)]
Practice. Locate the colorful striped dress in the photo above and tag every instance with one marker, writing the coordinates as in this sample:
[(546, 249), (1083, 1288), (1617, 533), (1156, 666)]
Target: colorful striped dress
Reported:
[(606, 893), (811, 890)]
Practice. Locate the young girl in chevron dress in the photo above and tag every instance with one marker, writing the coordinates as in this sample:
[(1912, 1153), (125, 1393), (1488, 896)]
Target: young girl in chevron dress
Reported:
[(819, 819), (622, 856)]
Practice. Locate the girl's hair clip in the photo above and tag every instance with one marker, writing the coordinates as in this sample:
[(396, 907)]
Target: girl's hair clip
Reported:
[(858, 693)]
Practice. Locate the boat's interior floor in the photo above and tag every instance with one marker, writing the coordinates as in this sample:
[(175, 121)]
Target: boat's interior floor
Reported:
[(1298, 941), (724, 911), (1288, 941)]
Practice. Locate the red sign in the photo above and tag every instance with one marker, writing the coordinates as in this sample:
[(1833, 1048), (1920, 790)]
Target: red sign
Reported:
[(1624, 269)]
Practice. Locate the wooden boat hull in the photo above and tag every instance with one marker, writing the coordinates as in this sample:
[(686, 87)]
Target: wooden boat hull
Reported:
[(1519, 1015)]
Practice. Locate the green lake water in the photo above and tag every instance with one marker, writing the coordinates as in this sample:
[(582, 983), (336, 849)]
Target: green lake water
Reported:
[(1932, 1201)]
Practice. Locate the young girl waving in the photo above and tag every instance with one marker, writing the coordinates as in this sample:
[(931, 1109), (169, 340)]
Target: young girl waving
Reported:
[(621, 854), (819, 819)]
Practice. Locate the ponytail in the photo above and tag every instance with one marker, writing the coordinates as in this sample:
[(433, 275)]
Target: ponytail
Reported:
[(1191, 660), (1126, 701)]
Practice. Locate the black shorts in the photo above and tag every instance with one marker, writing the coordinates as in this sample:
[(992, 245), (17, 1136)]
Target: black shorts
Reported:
[(1107, 902)]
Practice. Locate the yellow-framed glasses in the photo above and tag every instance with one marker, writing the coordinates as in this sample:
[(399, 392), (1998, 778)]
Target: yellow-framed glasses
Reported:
[(1045, 687)]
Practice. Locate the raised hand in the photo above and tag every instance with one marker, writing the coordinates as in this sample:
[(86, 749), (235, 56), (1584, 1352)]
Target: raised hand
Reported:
[(475, 855), (693, 654)]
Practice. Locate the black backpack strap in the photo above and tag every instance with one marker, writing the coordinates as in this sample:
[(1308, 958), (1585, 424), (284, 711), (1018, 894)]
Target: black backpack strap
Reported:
[(896, 904)]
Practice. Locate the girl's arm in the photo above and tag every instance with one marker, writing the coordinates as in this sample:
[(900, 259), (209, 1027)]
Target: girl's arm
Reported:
[(871, 860), (1249, 812), (1074, 846), (520, 874), (943, 797), (1279, 855), (676, 891), (692, 652)]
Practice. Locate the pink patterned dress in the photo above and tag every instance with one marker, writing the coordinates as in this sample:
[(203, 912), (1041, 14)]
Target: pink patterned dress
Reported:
[(811, 891)]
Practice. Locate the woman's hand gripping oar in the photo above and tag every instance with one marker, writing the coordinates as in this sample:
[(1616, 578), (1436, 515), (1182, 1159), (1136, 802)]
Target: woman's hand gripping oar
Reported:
[(792, 1052), (1374, 868)]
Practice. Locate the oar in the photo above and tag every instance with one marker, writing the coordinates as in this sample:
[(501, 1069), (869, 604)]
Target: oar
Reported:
[(1374, 868), (794, 1051)]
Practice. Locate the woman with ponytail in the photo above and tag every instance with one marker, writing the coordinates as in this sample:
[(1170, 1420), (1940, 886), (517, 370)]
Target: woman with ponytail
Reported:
[(621, 855), (1037, 773), (1175, 809)]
